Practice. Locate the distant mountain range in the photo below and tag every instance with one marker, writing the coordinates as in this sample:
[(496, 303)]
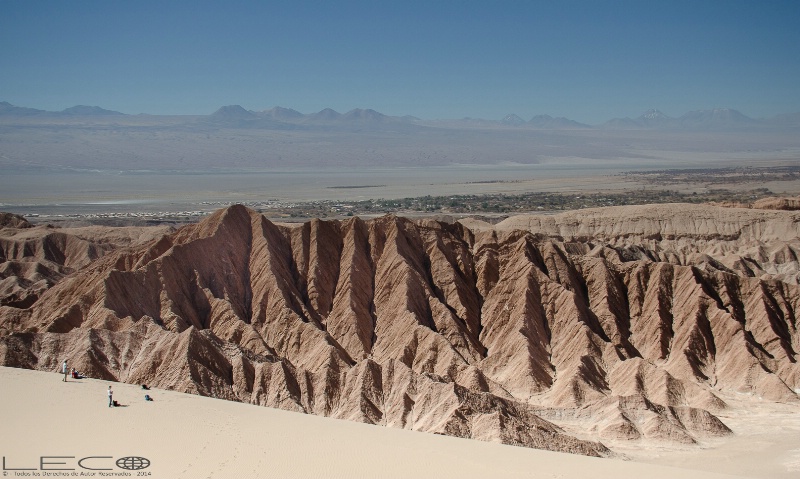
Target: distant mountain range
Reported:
[(717, 119), (547, 121), (7, 109), (236, 115)]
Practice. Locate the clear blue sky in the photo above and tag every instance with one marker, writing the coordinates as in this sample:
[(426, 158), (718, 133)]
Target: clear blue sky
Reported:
[(587, 60)]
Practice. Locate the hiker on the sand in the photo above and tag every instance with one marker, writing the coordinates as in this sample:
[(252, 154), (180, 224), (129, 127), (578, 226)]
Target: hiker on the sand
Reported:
[(110, 398), (64, 369)]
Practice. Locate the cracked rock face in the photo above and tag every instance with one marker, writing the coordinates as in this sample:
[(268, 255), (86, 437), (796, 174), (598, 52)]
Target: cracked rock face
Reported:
[(629, 328)]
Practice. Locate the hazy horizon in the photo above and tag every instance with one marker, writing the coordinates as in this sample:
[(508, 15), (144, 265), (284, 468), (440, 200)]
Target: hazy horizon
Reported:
[(524, 117), (586, 61)]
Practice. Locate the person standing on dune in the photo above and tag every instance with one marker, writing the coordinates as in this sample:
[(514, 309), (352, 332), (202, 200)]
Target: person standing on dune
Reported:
[(110, 397), (64, 369)]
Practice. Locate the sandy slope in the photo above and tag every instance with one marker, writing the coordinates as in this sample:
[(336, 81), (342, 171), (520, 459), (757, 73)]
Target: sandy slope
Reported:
[(195, 437)]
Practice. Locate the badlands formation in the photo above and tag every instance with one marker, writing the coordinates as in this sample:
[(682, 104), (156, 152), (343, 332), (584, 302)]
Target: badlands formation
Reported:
[(573, 332)]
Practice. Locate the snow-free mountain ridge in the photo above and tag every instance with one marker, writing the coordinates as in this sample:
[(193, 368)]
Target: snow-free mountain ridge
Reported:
[(717, 118)]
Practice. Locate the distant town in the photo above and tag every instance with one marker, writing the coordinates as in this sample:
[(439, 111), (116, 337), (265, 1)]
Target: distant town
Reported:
[(491, 206), (735, 186)]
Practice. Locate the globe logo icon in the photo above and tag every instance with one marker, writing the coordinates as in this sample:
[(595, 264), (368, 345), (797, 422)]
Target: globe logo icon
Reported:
[(133, 463)]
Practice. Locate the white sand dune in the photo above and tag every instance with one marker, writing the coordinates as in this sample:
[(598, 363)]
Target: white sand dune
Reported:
[(186, 436)]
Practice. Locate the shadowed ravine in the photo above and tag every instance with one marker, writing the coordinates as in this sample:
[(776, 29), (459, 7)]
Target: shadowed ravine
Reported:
[(485, 333)]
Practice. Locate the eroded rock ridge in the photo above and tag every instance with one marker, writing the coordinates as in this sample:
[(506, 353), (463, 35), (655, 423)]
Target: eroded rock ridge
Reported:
[(499, 334)]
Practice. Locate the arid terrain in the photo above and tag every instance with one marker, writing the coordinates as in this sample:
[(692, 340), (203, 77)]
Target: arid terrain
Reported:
[(632, 331), (541, 240), (88, 161)]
